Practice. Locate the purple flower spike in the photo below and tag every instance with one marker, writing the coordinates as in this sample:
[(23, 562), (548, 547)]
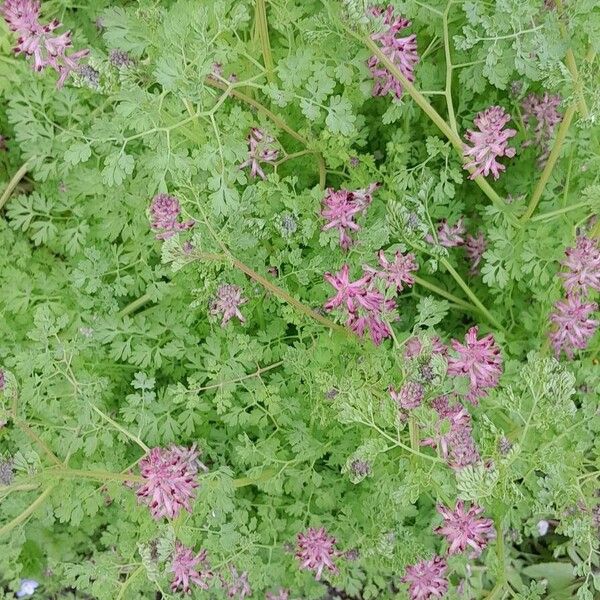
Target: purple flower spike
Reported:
[(315, 550), (463, 528), (402, 51), (260, 149), (427, 579), (188, 568), (574, 327), (489, 142)]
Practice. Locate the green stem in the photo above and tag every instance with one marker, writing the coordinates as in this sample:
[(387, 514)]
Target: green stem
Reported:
[(262, 28), (133, 306), (441, 292), (559, 211), (27, 512), (435, 117), (34, 437), (129, 581), (246, 481), (470, 294), (12, 184), (448, 90), (121, 429), (279, 122), (501, 581), (549, 167), (413, 428)]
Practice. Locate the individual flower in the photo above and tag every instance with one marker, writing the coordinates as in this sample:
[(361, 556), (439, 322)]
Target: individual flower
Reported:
[(164, 214), (315, 549), (475, 247), (170, 478), (340, 209), (489, 143), (574, 327), (280, 595), (462, 450), (188, 568), (237, 586), (427, 579), (227, 302), (541, 110), (90, 75), (448, 236), (402, 51), (260, 149), (38, 40), (27, 588), (582, 264), (463, 528), (360, 468), (479, 360), (398, 273), (6, 472), (352, 294), (120, 59), (410, 395), (373, 323)]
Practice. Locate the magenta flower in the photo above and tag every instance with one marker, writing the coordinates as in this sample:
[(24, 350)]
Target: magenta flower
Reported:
[(574, 328), (260, 149), (583, 267), (402, 51), (164, 215), (341, 207), (188, 568), (463, 528), (427, 579), (372, 323), (170, 478), (489, 143), (479, 360), (397, 273), (227, 302), (414, 347), (410, 395), (315, 550), (448, 236), (475, 247), (238, 585), (541, 109), (38, 40)]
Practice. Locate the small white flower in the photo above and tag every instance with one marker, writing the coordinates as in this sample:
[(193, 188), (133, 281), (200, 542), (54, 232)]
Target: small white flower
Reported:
[(542, 527), (27, 588)]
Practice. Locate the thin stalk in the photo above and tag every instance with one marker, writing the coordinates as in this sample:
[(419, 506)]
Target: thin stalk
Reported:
[(95, 475), (470, 293), (501, 582), (118, 427), (133, 306), (12, 184), (246, 481), (129, 581), (413, 428), (262, 28), (27, 512), (279, 122), (441, 292), (435, 117), (34, 437), (448, 90), (559, 211), (549, 167)]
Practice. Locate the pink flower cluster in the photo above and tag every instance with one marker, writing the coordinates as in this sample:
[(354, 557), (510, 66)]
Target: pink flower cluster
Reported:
[(451, 236), (340, 209), (457, 445), (401, 51), (427, 579), (479, 360), (365, 304), (461, 528), (315, 549), (164, 215), (188, 568), (236, 585), (574, 326), (170, 478), (260, 150), (489, 142), (410, 396), (38, 40), (541, 110), (227, 302), (464, 528)]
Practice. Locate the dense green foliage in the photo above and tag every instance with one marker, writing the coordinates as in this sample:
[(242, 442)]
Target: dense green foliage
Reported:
[(109, 345)]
